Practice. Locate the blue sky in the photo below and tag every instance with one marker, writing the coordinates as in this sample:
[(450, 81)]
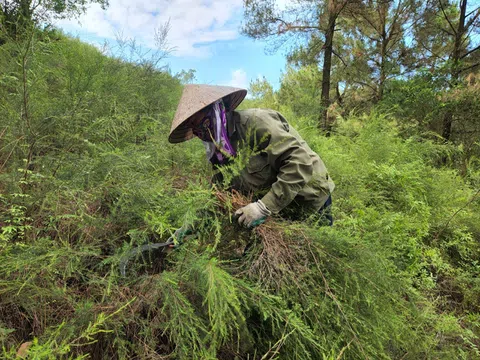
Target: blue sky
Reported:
[(204, 34)]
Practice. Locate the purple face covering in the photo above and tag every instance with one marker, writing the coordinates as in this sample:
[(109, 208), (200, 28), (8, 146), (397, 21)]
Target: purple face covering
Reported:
[(214, 127)]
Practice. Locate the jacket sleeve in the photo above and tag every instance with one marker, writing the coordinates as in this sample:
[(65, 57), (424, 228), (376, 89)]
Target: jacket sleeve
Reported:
[(286, 156)]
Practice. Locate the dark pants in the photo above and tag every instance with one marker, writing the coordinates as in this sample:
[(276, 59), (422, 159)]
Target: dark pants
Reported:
[(325, 212)]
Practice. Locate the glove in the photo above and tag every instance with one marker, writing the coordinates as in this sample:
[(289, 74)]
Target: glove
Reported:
[(253, 214), (179, 235)]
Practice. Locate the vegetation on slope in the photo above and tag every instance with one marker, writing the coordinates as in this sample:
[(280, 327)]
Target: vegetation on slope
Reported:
[(86, 173)]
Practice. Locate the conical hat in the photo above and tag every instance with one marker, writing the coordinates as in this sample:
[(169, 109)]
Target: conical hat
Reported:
[(197, 97)]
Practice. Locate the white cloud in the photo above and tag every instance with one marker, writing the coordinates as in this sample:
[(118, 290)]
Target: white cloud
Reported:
[(284, 4), (239, 79), (194, 24)]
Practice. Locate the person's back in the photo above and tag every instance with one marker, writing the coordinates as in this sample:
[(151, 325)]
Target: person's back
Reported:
[(281, 156), (281, 168)]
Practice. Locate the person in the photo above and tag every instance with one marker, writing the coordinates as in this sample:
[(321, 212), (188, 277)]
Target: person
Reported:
[(286, 176)]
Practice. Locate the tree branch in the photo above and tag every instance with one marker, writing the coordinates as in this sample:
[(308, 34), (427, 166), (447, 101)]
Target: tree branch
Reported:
[(446, 17), (472, 199), (35, 6), (301, 27), (469, 52), (446, 31), (341, 59), (472, 19), (375, 40), (467, 36), (314, 46), (370, 23), (469, 67), (289, 26), (471, 12), (342, 6), (365, 84), (392, 43), (431, 51), (394, 21)]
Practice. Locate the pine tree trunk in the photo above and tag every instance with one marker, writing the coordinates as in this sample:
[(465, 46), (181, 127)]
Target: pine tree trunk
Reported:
[(455, 75), (327, 64), (383, 13)]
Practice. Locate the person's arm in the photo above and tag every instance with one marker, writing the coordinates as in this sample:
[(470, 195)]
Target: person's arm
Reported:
[(287, 156)]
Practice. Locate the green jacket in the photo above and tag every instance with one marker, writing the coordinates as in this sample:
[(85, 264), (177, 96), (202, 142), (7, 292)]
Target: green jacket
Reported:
[(283, 168)]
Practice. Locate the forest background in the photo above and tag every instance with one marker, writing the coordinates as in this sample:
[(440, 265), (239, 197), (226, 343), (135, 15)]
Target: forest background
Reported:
[(387, 92)]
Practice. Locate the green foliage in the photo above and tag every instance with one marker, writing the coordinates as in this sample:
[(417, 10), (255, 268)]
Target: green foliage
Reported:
[(300, 91), (415, 101), (421, 104), (87, 173), (262, 94), (16, 16)]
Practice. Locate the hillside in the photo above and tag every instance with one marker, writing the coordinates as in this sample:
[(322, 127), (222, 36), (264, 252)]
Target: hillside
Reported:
[(87, 173)]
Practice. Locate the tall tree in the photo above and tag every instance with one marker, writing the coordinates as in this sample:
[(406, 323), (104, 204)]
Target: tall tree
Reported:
[(447, 33), (379, 33), (302, 21), (460, 26), (16, 14)]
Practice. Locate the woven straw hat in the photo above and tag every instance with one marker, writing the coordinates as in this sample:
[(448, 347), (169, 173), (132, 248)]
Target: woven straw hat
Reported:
[(196, 98)]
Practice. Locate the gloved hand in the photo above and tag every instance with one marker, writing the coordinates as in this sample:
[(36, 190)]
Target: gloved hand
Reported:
[(180, 234), (253, 214)]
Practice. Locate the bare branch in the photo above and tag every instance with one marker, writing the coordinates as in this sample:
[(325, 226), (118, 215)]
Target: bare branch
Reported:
[(472, 19), (289, 26), (471, 12), (35, 6), (469, 52), (301, 27)]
